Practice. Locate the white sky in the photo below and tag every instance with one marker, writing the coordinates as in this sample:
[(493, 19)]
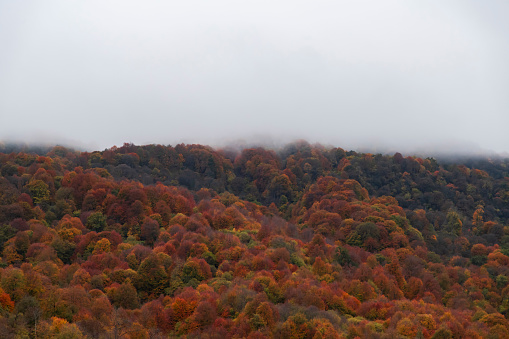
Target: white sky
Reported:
[(384, 74)]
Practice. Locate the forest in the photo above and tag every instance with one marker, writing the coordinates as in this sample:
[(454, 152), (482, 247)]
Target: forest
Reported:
[(304, 241)]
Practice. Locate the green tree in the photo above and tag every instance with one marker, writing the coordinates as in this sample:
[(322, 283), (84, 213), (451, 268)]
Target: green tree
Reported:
[(39, 190), (453, 223), (64, 249), (6, 232), (151, 277), (126, 296), (96, 222)]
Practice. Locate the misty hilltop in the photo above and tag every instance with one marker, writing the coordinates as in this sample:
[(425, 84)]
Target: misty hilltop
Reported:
[(211, 221)]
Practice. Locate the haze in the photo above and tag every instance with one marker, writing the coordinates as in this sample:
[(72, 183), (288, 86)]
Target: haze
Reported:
[(402, 75)]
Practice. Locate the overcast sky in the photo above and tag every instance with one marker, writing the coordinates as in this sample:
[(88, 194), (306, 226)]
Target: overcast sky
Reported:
[(382, 74)]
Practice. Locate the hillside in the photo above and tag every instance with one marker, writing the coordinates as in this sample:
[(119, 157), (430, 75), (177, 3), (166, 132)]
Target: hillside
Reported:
[(300, 242)]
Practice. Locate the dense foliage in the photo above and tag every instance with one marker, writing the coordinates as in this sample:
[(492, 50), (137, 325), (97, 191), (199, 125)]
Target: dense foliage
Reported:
[(303, 242)]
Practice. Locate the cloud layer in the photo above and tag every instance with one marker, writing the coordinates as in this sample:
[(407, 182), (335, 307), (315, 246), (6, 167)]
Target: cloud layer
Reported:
[(392, 74)]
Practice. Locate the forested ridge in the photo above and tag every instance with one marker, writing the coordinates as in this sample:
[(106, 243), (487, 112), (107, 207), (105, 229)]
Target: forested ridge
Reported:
[(304, 241)]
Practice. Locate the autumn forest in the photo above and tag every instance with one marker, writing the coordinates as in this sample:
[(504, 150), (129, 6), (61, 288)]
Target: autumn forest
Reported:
[(304, 241)]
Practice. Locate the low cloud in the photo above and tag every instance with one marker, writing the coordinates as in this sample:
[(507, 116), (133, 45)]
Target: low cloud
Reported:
[(367, 76)]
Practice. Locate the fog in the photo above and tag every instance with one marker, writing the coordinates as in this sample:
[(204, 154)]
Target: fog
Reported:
[(365, 75)]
